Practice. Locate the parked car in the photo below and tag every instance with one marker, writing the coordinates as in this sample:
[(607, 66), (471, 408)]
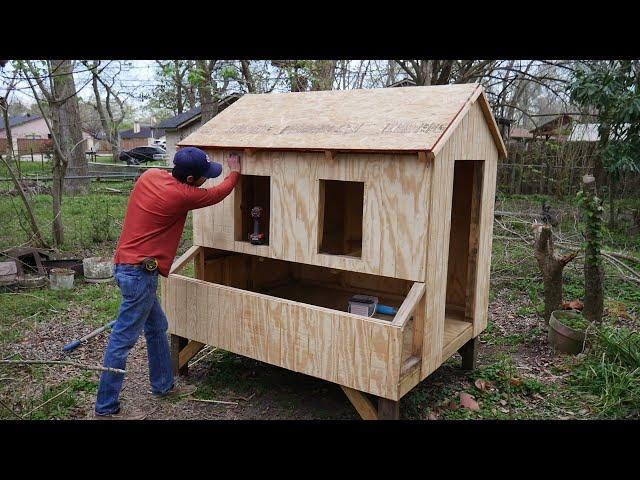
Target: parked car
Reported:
[(139, 155)]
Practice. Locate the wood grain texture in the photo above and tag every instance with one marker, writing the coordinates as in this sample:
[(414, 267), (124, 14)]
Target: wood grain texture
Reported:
[(456, 333), (471, 140), (394, 211), (358, 352), (392, 119), (406, 234), (361, 403)]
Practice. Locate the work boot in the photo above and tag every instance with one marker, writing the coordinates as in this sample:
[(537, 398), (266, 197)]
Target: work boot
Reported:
[(178, 391), (129, 414)]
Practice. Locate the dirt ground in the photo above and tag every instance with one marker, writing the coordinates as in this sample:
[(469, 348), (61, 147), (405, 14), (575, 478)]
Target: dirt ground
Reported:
[(261, 391)]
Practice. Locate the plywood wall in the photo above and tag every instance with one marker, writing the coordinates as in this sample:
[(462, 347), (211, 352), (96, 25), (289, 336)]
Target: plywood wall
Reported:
[(358, 352), (395, 214), (471, 140)]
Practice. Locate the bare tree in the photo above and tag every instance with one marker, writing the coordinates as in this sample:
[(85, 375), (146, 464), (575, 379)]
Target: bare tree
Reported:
[(248, 76), (203, 76), (112, 112), (175, 91), (259, 76), (10, 158), (64, 125), (323, 74)]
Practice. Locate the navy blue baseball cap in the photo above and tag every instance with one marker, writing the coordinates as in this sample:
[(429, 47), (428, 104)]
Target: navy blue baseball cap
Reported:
[(193, 161)]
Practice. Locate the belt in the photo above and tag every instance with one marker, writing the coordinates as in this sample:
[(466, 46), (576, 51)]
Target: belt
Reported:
[(149, 264)]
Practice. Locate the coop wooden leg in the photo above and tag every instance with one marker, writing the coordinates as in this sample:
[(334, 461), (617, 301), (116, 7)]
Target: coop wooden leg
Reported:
[(388, 409), (469, 353), (361, 403), (177, 344)]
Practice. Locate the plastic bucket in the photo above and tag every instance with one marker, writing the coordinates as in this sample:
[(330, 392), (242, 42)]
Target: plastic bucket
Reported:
[(61, 278)]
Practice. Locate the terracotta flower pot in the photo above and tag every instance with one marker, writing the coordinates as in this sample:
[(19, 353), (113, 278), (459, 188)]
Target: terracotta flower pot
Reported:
[(564, 338)]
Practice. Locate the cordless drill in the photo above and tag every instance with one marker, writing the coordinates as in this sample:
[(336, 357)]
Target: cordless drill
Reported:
[(256, 238)]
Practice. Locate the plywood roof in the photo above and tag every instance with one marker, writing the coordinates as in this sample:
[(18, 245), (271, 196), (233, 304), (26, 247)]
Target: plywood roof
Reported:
[(381, 119)]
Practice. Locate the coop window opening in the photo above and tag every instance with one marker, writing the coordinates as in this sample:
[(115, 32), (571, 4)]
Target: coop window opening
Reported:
[(464, 237), (340, 216), (252, 209)]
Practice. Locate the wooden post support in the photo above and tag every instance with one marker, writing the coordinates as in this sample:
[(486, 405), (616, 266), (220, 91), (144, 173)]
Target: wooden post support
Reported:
[(388, 409), (361, 403), (177, 344), (469, 353)]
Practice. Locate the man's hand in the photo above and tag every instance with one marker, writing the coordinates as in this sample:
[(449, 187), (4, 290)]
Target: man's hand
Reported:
[(234, 162)]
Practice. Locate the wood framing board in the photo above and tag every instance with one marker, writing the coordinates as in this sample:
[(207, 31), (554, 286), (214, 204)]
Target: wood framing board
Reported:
[(456, 334), (394, 222), (392, 119), (436, 265), (358, 352), (361, 403)]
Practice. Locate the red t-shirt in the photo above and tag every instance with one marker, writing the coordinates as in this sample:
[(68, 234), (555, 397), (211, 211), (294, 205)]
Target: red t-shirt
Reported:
[(156, 213)]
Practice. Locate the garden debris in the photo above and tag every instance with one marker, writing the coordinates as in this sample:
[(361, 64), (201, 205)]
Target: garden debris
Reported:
[(515, 382), (28, 260), (212, 401), (573, 304), (484, 385), (8, 272), (62, 362), (246, 399), (467, 401)]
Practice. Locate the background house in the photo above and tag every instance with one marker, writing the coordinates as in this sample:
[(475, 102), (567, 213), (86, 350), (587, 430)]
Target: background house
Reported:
[(182, 125), (140, 136), (518, 134), (556, 129), (29, 133)]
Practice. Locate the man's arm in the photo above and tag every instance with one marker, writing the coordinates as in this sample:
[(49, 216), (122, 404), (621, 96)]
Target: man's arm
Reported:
[(204, 197)]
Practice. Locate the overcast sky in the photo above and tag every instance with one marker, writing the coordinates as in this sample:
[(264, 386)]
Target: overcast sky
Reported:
[(138, 77)]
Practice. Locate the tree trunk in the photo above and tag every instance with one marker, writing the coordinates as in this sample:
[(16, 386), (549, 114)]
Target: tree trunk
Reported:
[(58, 172), (612, 203), (207, 101), (177, 80), (551, 268), (69, 127), (56, 193), (593, 271), (248, 76), (323, 74)]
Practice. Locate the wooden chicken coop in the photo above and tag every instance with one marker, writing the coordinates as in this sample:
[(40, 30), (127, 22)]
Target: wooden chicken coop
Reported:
[(383, 192)]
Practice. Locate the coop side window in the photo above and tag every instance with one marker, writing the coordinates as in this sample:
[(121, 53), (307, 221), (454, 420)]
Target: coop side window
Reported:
[(252, 205), (340, 215)]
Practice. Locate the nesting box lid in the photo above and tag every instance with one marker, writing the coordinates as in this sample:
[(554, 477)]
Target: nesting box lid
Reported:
[(406, 119)]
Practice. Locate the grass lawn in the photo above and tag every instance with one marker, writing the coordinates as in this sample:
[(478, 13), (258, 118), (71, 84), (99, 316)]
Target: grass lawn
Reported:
[(517, 377)]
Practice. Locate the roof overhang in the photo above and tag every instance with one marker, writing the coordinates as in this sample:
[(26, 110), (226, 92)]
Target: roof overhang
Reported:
[(392, 120)]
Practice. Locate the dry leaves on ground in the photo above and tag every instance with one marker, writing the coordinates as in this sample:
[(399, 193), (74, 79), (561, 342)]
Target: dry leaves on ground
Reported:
[(467, 401)]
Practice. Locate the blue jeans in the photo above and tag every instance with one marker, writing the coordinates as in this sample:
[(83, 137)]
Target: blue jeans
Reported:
[(139, 310)]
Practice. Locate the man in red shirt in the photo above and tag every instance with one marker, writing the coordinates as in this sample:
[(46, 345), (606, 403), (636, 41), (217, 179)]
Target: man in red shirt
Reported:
[(153, 225)]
